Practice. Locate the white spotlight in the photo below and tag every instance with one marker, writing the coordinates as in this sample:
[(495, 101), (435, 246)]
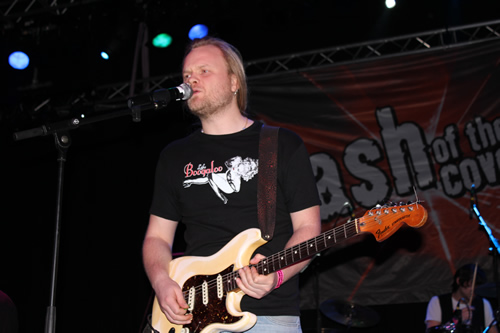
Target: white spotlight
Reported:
[(390, 3)]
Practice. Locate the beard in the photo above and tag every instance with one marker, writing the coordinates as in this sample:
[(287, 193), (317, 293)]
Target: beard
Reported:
[(213, 101)]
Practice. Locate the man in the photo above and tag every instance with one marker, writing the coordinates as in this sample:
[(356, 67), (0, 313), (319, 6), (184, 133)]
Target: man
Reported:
[(456, 309), (206, 181)]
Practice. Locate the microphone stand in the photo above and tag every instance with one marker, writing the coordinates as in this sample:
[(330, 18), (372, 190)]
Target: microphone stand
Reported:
[(495, 246), (63, 142), (316, 265), (494, 322), (60, 131)]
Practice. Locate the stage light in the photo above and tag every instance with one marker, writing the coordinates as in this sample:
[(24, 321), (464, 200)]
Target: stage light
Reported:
[(19, 60), (390, 3), (112, 49), (198, 31), (162, 40)]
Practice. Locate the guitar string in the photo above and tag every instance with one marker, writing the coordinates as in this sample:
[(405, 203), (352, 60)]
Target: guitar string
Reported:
[(353, 226), (227, 278), (275, 260), (272, 259)]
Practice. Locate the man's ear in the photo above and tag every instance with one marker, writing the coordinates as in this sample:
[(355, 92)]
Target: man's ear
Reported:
[(234, 83)]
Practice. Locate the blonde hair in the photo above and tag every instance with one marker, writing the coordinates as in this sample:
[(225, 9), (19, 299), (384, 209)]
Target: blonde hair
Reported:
[(234, 63)]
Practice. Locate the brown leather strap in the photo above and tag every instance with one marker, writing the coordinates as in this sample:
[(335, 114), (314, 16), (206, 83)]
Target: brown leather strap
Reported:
[(268, 180)]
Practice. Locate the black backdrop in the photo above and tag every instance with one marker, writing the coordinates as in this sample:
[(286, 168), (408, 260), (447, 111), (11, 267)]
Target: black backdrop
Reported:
[(108, 178)]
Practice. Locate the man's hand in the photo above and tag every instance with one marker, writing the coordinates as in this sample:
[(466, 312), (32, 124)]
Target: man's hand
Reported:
[(254, 284), (172, 303), (467, 314)]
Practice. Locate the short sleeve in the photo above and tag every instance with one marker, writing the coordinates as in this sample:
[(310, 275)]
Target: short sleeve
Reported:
[(433, 310)]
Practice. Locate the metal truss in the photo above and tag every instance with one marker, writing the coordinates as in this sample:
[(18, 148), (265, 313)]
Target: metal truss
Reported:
[(115, 95), (420, 42), (375, 49), (17, 10), (21, 12)]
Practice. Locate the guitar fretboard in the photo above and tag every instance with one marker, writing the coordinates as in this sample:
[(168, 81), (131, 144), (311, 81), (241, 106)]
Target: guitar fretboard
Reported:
[(381, 222), (298, 252)]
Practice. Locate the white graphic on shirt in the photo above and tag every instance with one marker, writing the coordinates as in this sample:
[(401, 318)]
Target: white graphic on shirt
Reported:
[(223, 182)]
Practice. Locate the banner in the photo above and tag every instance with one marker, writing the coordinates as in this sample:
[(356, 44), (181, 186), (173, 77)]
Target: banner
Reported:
[(423, 126)]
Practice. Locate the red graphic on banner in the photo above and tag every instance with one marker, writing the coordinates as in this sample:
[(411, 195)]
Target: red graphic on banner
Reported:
[(423, 126)]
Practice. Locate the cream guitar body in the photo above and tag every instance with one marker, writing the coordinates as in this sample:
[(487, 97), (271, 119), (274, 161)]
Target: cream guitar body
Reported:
[(222, 309)]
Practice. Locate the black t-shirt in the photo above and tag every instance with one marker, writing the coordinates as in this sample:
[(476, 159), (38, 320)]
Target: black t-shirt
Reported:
[(209, 183)]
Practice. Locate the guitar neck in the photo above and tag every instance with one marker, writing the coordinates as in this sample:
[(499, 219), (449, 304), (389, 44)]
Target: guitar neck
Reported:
[(308, 248), (382, 222)]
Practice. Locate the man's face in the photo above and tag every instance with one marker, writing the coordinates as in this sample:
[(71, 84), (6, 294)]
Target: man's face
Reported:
[(206, 71), (465, 290)]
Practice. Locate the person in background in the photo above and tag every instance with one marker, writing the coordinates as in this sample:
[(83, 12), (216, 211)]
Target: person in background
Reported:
[(208, 182), (8, 315), (461, 309)]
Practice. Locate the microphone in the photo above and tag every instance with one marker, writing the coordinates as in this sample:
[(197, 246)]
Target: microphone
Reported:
[(160, 98), (457, 314), (473, 191), (458, 303), (472, 200)]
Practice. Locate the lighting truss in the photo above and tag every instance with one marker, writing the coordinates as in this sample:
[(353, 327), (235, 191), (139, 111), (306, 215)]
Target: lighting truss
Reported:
[(420, 42), (19, 9), (115, 95), (414, 43)]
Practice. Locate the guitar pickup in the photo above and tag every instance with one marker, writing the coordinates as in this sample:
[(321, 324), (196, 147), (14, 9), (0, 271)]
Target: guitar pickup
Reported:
[(220, 288), (192, 292), (204, 292)]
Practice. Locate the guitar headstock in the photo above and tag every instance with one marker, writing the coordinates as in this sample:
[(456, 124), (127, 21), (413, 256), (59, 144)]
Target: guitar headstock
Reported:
[(383, 221)]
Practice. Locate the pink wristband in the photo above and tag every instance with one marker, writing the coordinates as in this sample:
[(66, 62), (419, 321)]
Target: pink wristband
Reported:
[(280, 279)]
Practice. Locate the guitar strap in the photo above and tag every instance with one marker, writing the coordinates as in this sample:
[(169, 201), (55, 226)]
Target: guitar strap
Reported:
[(267, 181)]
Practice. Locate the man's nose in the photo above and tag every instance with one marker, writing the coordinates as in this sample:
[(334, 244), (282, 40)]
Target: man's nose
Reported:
[(192, 79)]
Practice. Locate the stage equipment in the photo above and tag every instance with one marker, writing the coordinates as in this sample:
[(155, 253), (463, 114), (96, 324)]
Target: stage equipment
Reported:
[(162, 40), (487, 290), (349, 314), (19, 60), (494, 249), (198, 31)]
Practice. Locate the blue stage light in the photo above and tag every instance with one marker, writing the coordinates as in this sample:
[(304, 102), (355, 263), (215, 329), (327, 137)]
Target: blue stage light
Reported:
[(19, 60), (198, 31)]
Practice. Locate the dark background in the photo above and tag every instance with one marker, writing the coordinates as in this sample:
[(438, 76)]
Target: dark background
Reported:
[(65, 39), (109, 168)]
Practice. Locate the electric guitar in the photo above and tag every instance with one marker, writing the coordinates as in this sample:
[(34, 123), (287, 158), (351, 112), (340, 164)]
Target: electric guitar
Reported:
[(209, 283)]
